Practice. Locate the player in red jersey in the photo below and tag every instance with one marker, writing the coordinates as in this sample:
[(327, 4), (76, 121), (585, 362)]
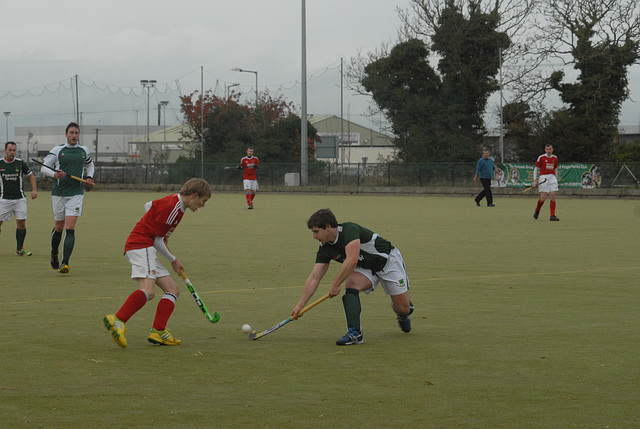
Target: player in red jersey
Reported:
[(547, 166), (250, 164), (147, 240)]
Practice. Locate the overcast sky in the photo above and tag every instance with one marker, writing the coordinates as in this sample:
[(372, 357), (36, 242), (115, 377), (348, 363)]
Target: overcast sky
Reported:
[(120, 42)]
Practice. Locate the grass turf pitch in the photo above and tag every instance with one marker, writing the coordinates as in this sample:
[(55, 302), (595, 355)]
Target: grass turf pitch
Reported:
[(518, 323)]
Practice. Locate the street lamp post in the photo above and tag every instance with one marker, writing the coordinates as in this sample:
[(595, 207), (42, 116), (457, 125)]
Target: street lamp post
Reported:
[(6, 116), (229, 88), (164, 119), (249, 71), (148, 84)]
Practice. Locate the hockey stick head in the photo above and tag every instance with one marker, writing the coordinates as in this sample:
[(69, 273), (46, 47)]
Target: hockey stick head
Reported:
[(256, 335), (531, 187), (211, 318)]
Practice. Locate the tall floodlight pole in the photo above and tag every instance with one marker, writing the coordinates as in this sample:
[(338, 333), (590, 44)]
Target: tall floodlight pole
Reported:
[(77, 103), (304, 177), (202, 122), (341, 139), (249, 71), (147, 84), (501, 115), (6, 117)]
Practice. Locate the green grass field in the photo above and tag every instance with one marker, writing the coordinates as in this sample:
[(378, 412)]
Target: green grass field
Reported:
[(518, 323)]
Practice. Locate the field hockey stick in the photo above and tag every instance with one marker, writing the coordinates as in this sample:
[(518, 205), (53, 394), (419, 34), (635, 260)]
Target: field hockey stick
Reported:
[(196, 297), (53, 169), (255, 335), (531, 187)]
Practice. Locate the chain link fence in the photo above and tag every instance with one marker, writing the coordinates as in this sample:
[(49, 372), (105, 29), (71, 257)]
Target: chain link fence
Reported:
[(388, 175)]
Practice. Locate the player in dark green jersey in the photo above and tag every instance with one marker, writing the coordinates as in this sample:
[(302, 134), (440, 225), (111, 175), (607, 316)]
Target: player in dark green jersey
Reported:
[(367, 259), (12, 199), (67, 194)]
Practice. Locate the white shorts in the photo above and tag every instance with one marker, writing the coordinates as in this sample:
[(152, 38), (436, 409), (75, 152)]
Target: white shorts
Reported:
[(17, 207), (250, 185), (393, 277), (551, 184), (145, 264), (66, 206)]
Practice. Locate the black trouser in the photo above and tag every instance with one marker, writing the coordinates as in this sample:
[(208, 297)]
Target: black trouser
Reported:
[(486, 191)]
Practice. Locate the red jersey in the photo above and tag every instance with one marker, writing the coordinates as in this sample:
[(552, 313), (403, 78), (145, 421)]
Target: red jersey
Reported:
[(249, 165), (547, 164), (161, 218)]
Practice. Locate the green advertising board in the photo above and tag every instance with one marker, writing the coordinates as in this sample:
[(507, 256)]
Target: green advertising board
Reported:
[(574, 175)]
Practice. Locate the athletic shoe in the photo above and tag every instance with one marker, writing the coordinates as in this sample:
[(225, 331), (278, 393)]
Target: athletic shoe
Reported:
[(554, 218), (491, 205), (250, 207), (23, 252), (405, 323), (55, 264), (477, 203), (164, 338), (353, 336), (116, 327), (535, 214), (64, 269)]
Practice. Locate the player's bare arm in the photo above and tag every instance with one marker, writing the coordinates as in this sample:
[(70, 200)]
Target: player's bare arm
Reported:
[(350, 262), (310, 287), (34, 187)]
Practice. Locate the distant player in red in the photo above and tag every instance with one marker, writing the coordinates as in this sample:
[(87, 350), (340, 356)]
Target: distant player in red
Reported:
[(547, 167), (148, 240), (249, 164)]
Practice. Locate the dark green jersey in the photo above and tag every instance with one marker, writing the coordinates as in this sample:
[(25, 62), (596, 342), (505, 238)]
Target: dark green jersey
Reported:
[(11, 174), (72, 160), (374, 250)]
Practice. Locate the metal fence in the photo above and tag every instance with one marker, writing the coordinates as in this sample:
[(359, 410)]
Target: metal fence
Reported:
[(332, 175)]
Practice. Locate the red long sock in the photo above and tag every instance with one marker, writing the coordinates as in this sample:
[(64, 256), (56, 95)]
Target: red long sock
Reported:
[(135, 302), (552, 206), (248, 196), (164, 310), (540, 203)]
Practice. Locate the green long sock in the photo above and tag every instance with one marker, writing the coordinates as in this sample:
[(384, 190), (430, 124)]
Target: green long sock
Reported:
[(20, 235), (352, 308), (67, 246)]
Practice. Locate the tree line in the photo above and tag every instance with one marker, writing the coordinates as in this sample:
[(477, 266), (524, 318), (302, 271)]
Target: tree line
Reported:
[(433, 85)]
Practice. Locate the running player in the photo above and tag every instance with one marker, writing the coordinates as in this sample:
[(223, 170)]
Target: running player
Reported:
[(12, 199), (547, 166), (367, 259), (148, 240), (67, 194), (250, 165)]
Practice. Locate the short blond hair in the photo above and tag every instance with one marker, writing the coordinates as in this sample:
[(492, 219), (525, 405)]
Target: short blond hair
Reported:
[(196, 186)]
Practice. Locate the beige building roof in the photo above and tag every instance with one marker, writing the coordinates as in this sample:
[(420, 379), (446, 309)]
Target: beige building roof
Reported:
[(354, 134)]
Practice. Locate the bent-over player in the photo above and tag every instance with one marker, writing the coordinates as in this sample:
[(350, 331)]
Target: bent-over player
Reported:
[(148, 240), (367, 259)]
